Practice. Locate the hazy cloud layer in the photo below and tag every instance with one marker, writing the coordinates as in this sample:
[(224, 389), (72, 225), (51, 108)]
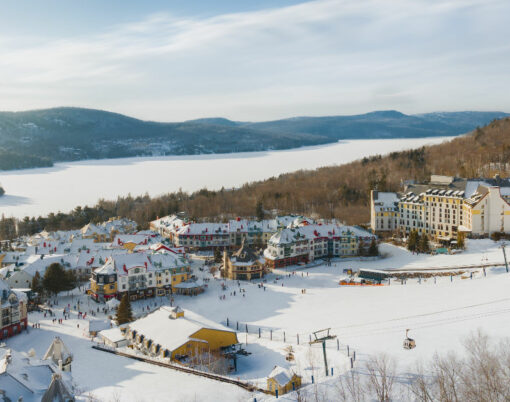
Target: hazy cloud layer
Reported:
[(316, 58)]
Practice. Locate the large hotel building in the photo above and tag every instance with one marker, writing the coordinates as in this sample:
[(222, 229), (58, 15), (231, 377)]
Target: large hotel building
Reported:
[(443, 207)]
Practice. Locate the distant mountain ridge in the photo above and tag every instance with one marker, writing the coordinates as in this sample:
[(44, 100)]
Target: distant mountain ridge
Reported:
[(41, 137)]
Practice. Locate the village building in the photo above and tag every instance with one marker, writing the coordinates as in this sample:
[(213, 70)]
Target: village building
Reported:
[(25, 378), (131, 273), (97, 233), (244, 264), (281, 380), (113, 338), (13, 311), (171, 270), (140, 275), (59, 355), (208, 236), (383, 211), (447, 205), (300, 245), (129, 241), (183, 337)]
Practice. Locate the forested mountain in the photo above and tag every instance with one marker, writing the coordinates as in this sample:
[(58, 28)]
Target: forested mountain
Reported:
[(41, 137), (338, 191)]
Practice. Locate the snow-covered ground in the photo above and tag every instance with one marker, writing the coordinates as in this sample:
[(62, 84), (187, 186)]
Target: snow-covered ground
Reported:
[(371, 320), (35, 192)]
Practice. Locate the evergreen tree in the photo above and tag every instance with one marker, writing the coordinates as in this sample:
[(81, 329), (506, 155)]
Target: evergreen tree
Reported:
[(37, 285), (70, 280), (55, 279), (259, 211), (373, 250), (218, 257), (361, 248), (124, 313), (423, 244), (412, 241)]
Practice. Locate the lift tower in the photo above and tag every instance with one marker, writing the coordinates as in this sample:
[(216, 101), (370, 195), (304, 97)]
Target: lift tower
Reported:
[(321, 337)]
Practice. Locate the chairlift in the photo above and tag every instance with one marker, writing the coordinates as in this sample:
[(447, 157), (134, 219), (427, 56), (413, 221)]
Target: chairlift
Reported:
[(409, 343)]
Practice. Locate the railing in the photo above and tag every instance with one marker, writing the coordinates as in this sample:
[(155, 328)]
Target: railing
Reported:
[(164, 363)]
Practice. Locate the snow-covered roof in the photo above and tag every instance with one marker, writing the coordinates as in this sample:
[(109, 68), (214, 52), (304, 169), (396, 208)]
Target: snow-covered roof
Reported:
[(39, 265), (57, 351), (170, 333), (99, 325), (472, 186), (203, 228), (120, 240), (385, 200), (281, 375), (22, 376), (91, 229), (120, 264), (112, 334), (167, 260), (310, 232)]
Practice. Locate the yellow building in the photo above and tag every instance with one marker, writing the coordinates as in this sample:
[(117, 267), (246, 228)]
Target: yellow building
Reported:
[(186, 338), (282, 381), (171, 270)]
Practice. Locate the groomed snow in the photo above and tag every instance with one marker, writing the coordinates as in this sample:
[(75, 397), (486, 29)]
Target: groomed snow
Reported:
[(371, 320)]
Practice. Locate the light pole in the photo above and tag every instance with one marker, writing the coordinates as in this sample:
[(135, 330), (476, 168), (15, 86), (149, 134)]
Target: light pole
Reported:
[(503, 245)]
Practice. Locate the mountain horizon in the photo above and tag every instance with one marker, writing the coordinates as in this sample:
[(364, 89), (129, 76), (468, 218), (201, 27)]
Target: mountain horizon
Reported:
[(38, 138)]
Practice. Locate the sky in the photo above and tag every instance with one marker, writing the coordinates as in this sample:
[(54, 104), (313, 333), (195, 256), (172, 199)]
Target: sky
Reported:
[(255, 60)]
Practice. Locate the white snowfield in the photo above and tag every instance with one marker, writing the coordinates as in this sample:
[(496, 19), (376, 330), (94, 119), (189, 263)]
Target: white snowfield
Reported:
[(35, 192), (440, 315)]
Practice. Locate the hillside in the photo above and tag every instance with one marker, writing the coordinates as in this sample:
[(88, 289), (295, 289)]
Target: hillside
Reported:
[(41, 137), (338, 191)]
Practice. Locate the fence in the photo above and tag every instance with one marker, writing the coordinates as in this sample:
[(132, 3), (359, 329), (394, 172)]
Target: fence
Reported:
[(279, 335)]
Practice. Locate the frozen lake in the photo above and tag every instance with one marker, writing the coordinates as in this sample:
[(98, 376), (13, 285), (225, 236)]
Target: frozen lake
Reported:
[(35, 192)]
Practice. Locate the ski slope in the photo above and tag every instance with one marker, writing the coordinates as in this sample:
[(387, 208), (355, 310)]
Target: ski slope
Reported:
[(371, 320)]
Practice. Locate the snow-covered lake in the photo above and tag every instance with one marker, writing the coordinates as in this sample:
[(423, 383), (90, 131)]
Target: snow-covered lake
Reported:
[(35, 192)]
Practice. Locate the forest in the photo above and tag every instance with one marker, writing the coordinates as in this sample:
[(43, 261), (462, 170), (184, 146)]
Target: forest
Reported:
[(341, 192)]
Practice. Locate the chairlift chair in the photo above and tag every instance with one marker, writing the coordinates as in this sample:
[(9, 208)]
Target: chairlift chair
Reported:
[(409, 343)]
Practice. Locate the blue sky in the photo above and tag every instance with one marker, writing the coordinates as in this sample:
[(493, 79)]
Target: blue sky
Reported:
[(255, 60)]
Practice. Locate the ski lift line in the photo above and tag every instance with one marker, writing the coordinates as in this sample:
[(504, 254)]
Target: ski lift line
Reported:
[(431, 323), (428, 325), (339, 329), (422, 315), (439, 320)]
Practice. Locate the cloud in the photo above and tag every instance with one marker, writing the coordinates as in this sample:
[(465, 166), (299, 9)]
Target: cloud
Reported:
[(320, 57)]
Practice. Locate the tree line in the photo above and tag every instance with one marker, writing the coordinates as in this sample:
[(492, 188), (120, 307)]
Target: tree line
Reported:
[(341, 192)]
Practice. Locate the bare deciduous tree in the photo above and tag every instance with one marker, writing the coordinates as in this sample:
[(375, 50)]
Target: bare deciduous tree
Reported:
[(381, 376)]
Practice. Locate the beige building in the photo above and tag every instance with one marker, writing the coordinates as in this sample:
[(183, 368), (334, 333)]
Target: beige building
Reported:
[(383, 211), (447, 205), (244, 264)]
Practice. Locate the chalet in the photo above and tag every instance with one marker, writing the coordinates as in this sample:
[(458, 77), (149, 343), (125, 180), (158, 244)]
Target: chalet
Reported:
[(281, 380), (113, 337), (183, 337)]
